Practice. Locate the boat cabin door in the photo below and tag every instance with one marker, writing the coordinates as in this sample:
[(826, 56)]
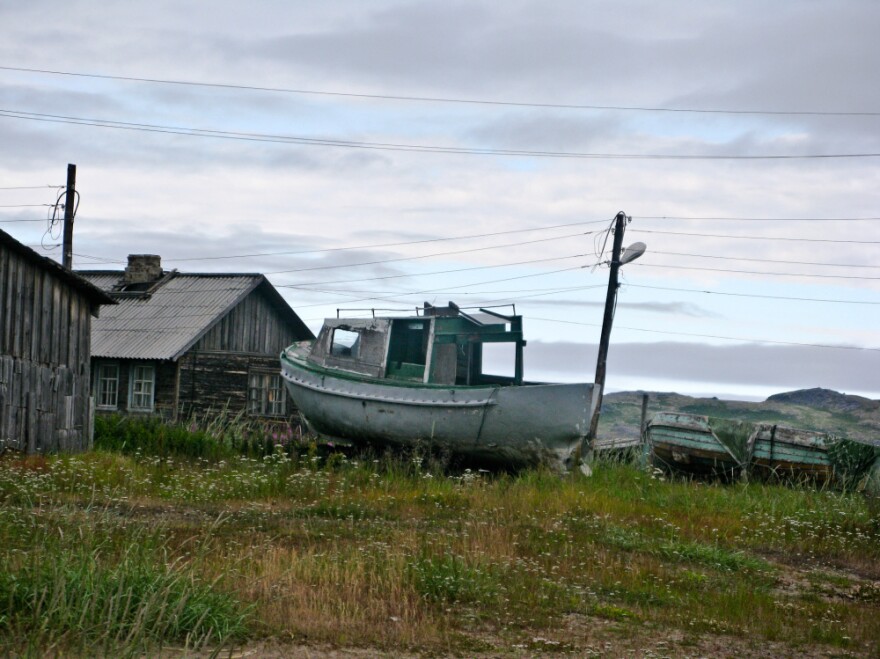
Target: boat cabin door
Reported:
[(408, 349)]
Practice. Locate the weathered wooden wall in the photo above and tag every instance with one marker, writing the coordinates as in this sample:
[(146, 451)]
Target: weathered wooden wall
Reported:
[(217, 382), (253, 327), (45, 324)]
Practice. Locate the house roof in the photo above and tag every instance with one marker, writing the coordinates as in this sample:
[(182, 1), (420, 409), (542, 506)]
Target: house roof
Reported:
[(170, 318), (95, 295)]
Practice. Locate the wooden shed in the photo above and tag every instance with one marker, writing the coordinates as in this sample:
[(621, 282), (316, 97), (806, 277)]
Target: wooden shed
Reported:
[(181, 344), (46, 316)]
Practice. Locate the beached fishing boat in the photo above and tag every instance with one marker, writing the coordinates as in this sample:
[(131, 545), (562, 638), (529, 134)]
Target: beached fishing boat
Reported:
[(698, 444), (708, 445), (794, 454), (777, 451), (420, 380)]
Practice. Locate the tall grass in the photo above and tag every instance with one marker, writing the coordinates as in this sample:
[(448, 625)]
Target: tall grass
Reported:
[(75, 583), (395, 554)]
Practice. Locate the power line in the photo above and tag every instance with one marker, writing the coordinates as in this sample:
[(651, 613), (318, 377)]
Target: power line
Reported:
[(764, 238), (29, 187), (753, 295), (438, 272), (715, 336), (424, 256), (17, 221), (435, 99), (375, 246), (757, 219), (755, 272), (25, 205), (743, 258), (445, 289), (411, 148)]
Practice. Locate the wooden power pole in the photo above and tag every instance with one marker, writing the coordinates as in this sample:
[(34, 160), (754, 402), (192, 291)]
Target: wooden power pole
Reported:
[(610, 300), (69, 207)]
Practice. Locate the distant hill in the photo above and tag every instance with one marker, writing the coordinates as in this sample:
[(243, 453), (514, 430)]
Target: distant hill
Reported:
[(814, 409), (826, 399)]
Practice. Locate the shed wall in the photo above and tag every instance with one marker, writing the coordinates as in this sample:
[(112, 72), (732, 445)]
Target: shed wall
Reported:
[(45, 326)]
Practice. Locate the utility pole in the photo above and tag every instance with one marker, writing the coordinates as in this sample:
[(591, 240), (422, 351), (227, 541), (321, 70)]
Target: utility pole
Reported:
[(610, 299), (69, 207)]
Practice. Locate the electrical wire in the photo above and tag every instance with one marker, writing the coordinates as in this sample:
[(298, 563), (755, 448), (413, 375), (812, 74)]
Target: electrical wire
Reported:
[(410, 148), (743, 258), (757, 219), (753, 295), (764, 238), (29, 187), (375, 246), (445, 289), (713, 336), (425, 256), (434, 99), (438, 272), (755, 272)]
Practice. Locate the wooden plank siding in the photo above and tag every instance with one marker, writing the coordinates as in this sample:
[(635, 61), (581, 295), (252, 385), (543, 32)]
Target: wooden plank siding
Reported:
[(214, 372), (252, 327), (45, 324)]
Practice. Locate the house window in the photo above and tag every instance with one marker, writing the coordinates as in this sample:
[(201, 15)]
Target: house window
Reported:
[(266, 395), (107, 386), (141, 387)]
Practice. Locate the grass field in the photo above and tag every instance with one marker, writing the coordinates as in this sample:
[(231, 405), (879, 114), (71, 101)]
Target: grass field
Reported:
[(115, 554)]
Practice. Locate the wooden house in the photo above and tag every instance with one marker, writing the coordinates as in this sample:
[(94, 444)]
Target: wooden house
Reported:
[(180, 344), (46, 317)]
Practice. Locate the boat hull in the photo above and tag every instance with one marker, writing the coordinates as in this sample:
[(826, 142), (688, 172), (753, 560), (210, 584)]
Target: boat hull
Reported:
[(509, 426), (779, 452), (686, 443)]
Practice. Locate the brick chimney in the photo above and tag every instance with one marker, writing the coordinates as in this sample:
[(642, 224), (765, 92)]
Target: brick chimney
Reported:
[(143, 268)]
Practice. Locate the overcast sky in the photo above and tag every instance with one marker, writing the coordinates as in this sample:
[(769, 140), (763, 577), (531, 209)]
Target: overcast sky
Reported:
[(322, 190)]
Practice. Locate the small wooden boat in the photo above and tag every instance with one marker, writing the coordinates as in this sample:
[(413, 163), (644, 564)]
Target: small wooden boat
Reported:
[(698, 444), (793, 454), (777, 451), (711, 446), (419, 381)]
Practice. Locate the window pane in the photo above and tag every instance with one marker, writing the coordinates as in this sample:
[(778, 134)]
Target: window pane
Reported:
[(255, 394), (345, 343), (108, 386), (142, 380), (277, 400)]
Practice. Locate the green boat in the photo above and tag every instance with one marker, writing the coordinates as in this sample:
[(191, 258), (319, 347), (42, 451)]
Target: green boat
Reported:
[(419, 381), (702, 445), (698, 444), (793, 454)]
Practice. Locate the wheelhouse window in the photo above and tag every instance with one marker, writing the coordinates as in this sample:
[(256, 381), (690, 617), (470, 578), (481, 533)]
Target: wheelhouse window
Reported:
[(345, 343), (266, 395), (141, 387), (107, 386)]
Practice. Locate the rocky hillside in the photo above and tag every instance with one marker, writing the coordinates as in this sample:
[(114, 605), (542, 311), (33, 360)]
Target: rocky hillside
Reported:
[(816, 409)]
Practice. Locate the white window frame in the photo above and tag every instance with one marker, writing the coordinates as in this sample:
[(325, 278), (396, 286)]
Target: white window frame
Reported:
[(102, 390), (266, 394), (141, 384)]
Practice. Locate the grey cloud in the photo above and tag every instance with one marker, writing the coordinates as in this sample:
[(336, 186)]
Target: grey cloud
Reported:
[(782, 366)]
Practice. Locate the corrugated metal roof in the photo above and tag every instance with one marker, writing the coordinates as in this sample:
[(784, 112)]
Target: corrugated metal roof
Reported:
[(173, 317)]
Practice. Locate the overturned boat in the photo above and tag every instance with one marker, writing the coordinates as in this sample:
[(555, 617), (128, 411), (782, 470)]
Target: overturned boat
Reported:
[(419, 380)]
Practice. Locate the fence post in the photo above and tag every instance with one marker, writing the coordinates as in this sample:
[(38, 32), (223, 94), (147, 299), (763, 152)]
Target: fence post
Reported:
[(643, 432)]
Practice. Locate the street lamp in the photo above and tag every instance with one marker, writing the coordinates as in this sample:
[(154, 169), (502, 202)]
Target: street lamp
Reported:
[(631, 253)]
